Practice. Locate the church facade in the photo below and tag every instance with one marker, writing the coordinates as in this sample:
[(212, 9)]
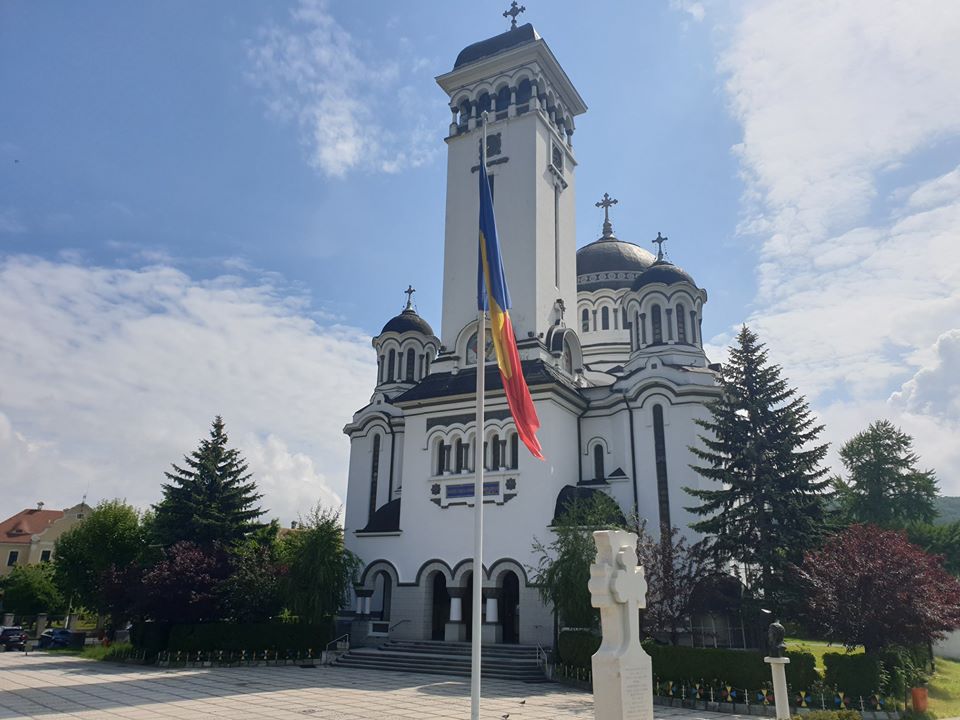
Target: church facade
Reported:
[(610, 341)]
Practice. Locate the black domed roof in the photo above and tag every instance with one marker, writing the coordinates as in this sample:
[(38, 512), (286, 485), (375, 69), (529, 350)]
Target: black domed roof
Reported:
[(610, 263), (663, 272), (497, 44), (407, 321)]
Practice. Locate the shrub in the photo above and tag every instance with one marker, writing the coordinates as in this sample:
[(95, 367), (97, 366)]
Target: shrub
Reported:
[(739, 668), (106, 652), (575, 647), (889, 673), (151, 637), (252, 636), (830, 715)]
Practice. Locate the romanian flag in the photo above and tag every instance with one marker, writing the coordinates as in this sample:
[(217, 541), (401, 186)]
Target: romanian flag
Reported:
[(492, 295)]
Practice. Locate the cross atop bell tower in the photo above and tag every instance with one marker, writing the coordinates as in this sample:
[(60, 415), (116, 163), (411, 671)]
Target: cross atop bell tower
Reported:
[(513, 12), (606, 202)]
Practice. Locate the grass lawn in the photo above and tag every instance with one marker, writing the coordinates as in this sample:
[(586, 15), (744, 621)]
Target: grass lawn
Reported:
[(818, 648), (944, 689)]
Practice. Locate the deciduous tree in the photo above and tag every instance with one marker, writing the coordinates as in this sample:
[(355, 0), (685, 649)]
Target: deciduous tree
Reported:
[(30, 589), (184, 586), (869, 586), (761, 449)]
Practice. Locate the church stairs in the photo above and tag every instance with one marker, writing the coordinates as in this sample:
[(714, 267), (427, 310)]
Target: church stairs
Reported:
[(505, 662)]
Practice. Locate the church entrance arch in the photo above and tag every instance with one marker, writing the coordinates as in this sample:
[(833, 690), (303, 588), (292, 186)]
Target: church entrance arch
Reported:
[(440, 605), (383, 591), (509, 609)]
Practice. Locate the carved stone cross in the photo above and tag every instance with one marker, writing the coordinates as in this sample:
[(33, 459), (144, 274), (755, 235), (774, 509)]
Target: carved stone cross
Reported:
[(409, 293), (659, 241), (622, 674), (513, 12)]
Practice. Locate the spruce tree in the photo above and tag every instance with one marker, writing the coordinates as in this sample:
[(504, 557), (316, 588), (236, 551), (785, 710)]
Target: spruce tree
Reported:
[(761, 449), (210, 500)]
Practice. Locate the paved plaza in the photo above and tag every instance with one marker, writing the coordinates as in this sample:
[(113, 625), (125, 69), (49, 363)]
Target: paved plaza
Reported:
[(58, 686)]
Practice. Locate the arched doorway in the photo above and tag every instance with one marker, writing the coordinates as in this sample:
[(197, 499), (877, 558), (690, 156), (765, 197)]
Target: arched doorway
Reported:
[(468, 606), (383, 594), (440, 606), (509, 609)]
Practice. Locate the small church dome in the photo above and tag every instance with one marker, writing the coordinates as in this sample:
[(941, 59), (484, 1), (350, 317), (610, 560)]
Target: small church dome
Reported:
[(407, 321), (496, 45), (663, 272)]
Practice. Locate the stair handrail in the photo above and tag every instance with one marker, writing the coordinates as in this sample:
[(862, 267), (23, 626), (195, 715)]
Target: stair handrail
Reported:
[(336, 640), (399, 623)]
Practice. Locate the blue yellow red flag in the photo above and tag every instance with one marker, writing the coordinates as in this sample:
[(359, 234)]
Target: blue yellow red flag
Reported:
[(493, 296)]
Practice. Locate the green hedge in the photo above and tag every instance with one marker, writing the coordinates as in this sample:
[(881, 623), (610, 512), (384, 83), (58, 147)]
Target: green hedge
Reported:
[(740, 668), (155, 637), (890, 673)]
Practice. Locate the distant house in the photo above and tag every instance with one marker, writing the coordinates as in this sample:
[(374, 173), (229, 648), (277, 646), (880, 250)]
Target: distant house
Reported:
[(28, 537)]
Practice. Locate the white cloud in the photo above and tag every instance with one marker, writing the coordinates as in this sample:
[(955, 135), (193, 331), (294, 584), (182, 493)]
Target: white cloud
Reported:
[(351, 113), (109, 375), (857, 281), (694, 9), (935, 390), (10, 221)]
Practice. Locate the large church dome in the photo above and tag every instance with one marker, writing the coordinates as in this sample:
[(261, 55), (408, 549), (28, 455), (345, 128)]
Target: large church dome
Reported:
[(663, 272), (610, 263), (496, 45)]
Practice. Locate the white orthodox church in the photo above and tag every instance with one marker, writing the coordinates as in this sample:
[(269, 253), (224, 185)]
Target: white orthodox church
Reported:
[(610, 340)]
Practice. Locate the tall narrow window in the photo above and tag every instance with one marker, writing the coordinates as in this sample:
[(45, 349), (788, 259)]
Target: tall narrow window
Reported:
[(514, 451), (391, 366), (374, 475), (657, 324), (556, 235), (380, 368), (605, 318), (458, 451), (495, 455), (660, 453), (642, 323), (681, 324), (624, 323), (616, 319), (440, 458), (693, 327), (419, 366), (585, 321), (411, 362), (598, 462), (13, 557)]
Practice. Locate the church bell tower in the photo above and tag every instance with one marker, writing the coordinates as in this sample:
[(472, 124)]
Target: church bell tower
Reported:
[(530, 105)]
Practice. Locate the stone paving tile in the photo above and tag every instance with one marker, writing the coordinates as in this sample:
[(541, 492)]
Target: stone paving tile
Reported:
[(55, 686)]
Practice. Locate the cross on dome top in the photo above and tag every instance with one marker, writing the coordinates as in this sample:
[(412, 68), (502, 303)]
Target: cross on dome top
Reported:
[(606, 203), (659, 241), (513, 12), (409, 293)]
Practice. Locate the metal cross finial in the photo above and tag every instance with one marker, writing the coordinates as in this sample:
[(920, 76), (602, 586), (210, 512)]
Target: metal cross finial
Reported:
[(606, 203), (409, 293), (513, 12), (660, 240)]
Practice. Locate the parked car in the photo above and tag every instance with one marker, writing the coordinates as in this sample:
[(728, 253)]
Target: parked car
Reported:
[(55, 638), (13, 638)]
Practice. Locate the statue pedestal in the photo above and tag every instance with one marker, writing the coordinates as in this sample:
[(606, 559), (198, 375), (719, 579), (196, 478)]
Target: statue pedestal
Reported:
[(622, 674), (778, 668)]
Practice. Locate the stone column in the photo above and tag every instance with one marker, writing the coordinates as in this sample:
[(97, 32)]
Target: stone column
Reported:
[(456, 629), (512, 107), (491, 630), (778, 668), (454, 128), (363, 601), (622, 674), (534, 96)]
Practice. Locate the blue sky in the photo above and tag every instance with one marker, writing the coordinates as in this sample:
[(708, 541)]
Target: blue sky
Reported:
[(210, 207)]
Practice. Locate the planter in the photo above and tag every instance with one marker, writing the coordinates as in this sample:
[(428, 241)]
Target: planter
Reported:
[(918, 697)]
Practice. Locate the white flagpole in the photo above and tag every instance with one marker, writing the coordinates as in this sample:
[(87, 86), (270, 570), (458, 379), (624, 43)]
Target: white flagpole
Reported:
[(477, 604)]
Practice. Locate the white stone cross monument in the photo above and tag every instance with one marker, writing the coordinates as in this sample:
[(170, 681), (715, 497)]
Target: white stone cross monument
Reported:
[(622, 675)]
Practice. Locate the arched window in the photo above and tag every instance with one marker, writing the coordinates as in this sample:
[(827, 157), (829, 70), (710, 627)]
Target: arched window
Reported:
[(472, 349), (567, 357), (514, 451), (681, 324), (380, 368), (483, 103), (585, 321), (495, 454), (464, 113), (693, 327), (605, 318), (503, 101), (623, 320), (660, 455), (441, 457), (458, 453), (411, 364), (374, 475), (523, 95), (598, 462), (391, 366), (657, 324)]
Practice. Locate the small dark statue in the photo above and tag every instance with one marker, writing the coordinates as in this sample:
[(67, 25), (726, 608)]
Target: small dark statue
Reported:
[(775, 635)]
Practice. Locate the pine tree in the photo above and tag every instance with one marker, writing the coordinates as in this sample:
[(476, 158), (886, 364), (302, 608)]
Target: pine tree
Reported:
[(885, 487), (761, 448), (210, 500)]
